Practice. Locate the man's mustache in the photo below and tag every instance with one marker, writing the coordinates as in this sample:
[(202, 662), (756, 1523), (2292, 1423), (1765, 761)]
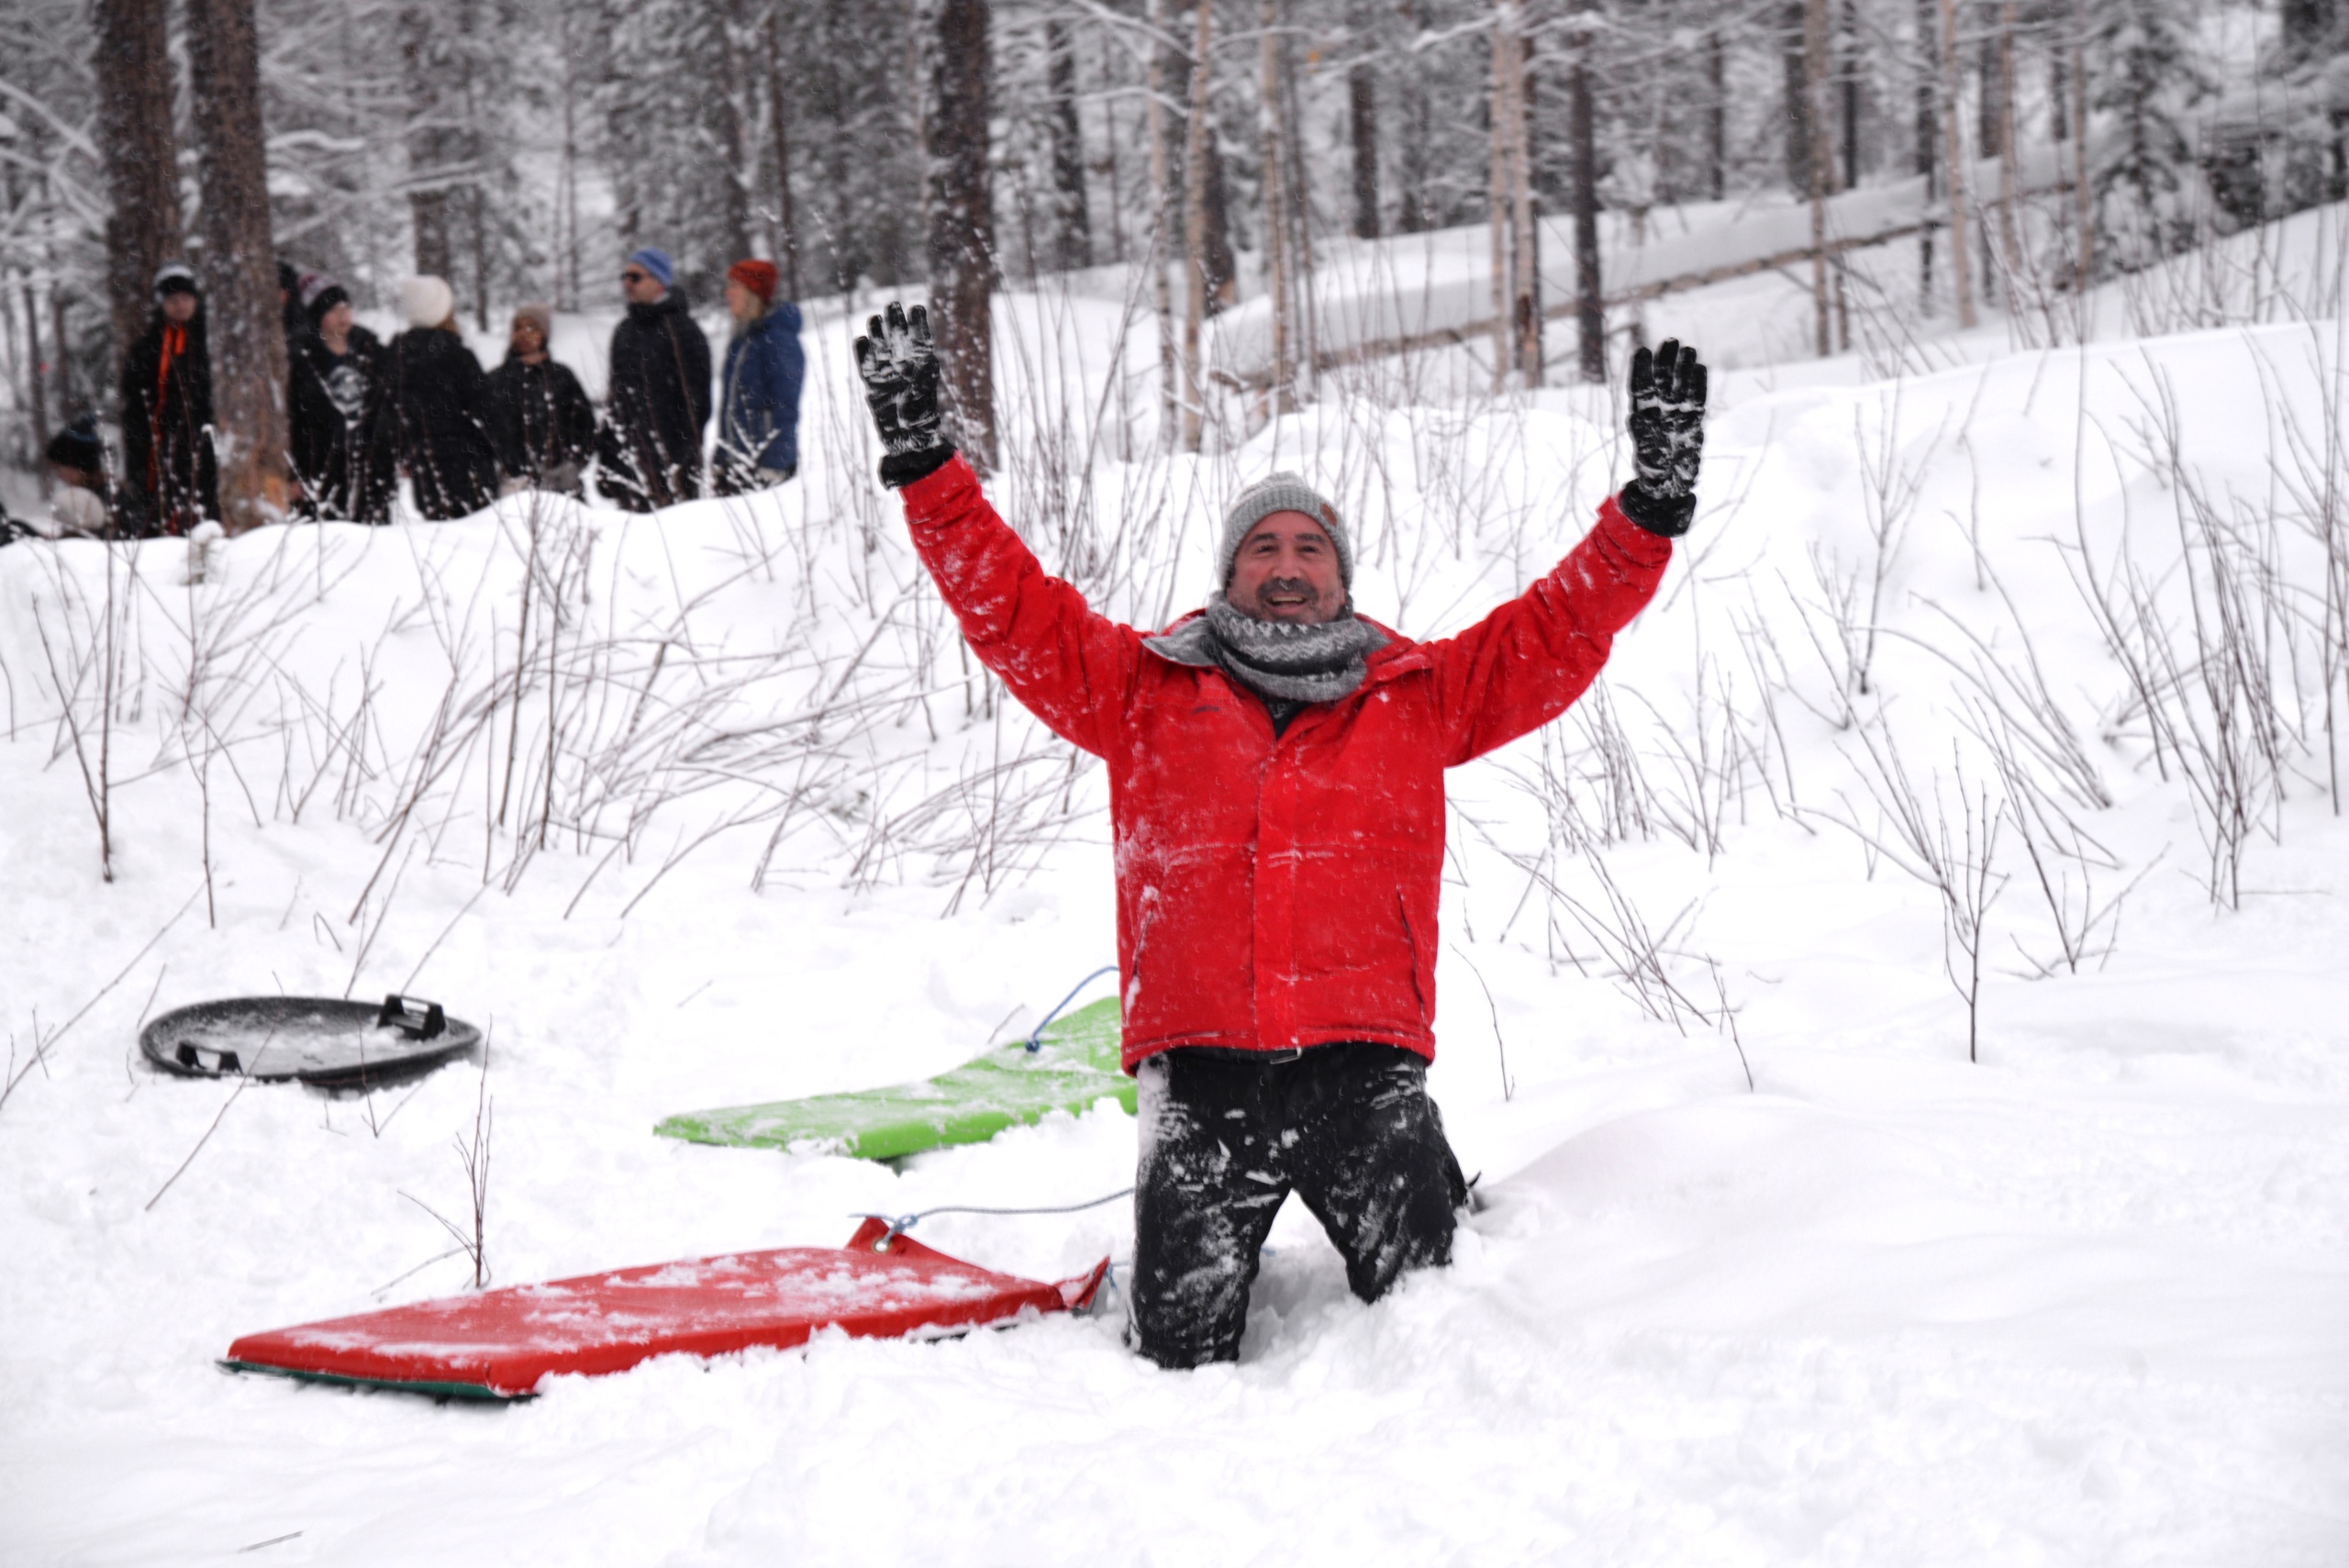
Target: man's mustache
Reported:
[(1297, 585)]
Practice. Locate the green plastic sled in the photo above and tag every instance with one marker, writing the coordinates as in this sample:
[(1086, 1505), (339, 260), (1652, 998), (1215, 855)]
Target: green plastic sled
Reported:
[(1075, 1067)]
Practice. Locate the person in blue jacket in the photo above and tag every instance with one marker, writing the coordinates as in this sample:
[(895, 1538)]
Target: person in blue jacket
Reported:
[(757, 405)]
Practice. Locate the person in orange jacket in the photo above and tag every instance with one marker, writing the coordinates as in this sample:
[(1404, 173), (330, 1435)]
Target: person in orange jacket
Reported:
[(1276, 796)]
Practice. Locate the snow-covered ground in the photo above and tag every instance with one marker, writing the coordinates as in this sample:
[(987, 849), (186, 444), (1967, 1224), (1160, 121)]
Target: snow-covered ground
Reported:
[(2080, 1302)]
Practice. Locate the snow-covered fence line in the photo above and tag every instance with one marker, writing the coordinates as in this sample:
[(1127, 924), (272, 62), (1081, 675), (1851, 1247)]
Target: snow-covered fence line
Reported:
[(1367, 299)]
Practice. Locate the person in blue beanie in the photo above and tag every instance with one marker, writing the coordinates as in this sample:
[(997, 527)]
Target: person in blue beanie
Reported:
[(758, 407), (657, 403)]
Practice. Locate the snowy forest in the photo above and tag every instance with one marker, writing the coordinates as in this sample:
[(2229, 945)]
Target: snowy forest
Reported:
[(519, 151), (1895, 1020)]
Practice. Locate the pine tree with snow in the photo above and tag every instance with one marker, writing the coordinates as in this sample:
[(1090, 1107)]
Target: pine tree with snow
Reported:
[(2147, 72)]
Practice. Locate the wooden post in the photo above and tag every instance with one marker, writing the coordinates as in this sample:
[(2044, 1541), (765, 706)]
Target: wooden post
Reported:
[(247, 332)]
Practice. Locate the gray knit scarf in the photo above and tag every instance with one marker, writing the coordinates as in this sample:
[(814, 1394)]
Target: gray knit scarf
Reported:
[(1274, 659)]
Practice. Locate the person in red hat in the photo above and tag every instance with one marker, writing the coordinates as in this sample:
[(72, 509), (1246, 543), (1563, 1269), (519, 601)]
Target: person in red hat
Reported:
[(758, 407)]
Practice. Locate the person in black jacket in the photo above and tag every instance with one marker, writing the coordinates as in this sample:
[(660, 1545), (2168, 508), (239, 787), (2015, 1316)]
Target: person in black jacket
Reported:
[(331, 365), (658, 405), (430, 412), (169, 481), (539, 418)]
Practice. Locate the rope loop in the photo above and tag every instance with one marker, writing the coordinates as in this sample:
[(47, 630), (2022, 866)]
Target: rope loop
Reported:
[(1036, 1039), (899, 1223)]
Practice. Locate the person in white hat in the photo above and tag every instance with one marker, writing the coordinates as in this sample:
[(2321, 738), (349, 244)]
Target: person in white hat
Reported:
[(430, 413)]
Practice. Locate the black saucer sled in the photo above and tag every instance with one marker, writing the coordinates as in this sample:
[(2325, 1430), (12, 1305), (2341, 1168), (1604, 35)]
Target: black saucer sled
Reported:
[(317, 1040)]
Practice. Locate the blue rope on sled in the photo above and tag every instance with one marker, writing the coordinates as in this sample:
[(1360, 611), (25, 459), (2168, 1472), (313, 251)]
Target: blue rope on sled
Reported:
[(1036, 1040)]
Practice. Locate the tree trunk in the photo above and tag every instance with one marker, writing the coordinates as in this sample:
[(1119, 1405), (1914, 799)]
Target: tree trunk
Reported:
[(1196, 153), (134, 123), (1072, 226), (1497, 170), (431, 145), (1819, 167), (1162, 236), (36, 393), (1793, 31), (1590, 301), (566, 189), (2082, 199), (1412, 216), (784, 239), (1525, 304), (1301, 209), (733, 145), (246, 332), (1953, 163), (1361, 114), (1716, 115), (1927, 132), (1848, 91), (962, 225), (1281, 397), (2010, 239)]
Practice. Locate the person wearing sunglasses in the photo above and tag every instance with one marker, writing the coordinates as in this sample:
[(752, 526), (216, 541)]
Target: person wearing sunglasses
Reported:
[(658, 400)]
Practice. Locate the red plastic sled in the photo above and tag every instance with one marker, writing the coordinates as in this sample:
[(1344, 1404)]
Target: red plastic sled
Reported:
[(498, 1344)]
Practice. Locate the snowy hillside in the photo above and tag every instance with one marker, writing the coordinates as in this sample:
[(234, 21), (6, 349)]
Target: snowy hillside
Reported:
[(711, 807)]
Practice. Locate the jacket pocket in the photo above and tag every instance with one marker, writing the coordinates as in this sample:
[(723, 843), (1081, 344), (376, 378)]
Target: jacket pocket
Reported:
[(1411, 940)]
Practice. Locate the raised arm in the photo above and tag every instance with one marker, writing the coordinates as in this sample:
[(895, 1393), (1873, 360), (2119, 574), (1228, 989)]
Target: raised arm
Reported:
[(1067, 665), (1526, 662)]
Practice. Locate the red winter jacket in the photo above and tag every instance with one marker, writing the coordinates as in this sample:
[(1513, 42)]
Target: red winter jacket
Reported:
[(1276, 892)]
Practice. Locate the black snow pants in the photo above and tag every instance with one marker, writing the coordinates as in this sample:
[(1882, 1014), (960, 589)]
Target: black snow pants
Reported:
[(1225, 1135)]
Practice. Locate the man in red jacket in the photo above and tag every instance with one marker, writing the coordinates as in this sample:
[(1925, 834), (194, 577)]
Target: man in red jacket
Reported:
[(1276, 801)]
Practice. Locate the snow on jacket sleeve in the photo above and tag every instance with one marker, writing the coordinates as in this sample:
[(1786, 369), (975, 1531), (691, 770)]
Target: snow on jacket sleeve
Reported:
[(1525, 663), (1068, 665)]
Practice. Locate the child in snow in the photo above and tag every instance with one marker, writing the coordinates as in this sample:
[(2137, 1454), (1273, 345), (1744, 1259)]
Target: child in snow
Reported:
[(1276, 785)]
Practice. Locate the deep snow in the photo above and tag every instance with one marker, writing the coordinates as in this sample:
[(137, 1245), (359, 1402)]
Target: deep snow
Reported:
[(2082, 1302)]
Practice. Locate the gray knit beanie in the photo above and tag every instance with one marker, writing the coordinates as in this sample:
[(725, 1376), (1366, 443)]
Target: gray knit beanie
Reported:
[(1282, 492)]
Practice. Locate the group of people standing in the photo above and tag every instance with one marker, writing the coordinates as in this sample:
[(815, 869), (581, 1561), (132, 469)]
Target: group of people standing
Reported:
[(362, 412)]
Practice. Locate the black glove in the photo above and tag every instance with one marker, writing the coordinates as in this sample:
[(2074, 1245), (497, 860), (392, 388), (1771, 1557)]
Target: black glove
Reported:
[(900, 371), (1667, 438)]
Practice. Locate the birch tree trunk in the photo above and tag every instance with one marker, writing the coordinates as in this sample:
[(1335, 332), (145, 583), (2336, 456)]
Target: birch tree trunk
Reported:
[(1497, 166), (1280, 397), (1160, 248), (962, 226), (2010, 239), (1954, 161), (1195, 231), (246, 333), (133, 66), (1818, 162)]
